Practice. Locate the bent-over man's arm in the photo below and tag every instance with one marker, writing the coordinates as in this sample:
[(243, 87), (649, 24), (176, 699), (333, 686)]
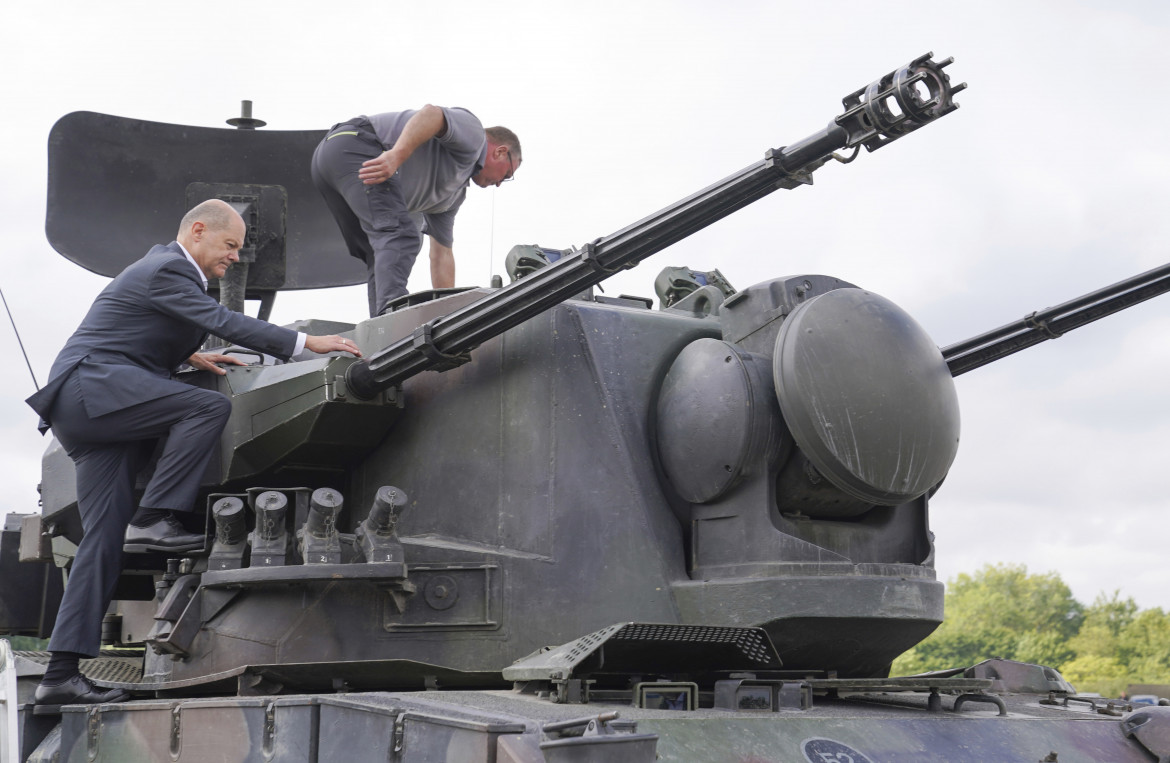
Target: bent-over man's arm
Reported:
[(426, 123), (442, 265)]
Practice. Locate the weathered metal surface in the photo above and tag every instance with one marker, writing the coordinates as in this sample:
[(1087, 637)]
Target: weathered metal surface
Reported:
[(28, 607), (484, 726)]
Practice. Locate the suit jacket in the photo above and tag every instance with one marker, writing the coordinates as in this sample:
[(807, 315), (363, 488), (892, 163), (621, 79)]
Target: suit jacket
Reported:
[(141, 328)]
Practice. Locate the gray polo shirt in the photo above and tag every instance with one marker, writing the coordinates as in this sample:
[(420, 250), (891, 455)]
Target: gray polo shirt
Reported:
[(434, 179)]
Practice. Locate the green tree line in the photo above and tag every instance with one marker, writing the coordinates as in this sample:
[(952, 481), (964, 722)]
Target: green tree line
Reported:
[(27, 643), (1002, 611)]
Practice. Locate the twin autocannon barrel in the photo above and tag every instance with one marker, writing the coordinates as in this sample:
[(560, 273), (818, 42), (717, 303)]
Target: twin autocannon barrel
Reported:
[(899, 103), (1053, 322)]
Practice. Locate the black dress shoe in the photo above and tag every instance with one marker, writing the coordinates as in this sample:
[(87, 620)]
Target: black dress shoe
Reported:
[(78, 690), (165, 535)]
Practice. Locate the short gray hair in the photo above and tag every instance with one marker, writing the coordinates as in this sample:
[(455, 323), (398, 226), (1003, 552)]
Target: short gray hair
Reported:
[(502, 136)]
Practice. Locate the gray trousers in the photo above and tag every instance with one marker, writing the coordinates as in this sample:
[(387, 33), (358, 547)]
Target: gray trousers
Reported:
[(108, 452), (374, 221)]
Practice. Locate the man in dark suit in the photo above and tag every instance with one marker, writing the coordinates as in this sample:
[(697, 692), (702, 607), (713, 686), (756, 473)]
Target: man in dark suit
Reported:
[(110, 397)]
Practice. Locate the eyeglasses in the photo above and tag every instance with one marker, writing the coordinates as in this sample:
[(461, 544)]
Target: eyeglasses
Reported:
[(511, 168)]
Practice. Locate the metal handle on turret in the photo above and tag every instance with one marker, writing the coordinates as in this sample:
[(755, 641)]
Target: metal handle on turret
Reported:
[(898, 103)]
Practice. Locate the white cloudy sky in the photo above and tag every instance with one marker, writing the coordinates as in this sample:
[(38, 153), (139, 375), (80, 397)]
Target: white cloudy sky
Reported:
[(1049, 182)]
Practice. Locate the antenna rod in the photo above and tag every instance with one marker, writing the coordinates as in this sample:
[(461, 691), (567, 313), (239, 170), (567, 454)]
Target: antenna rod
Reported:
[(18, 341)]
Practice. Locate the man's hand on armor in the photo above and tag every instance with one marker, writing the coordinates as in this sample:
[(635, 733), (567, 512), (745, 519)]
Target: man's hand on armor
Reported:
[(207, 361), (331, 343)]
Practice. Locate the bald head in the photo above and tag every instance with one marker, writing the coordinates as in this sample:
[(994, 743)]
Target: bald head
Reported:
[(215, 214), (212, 233)]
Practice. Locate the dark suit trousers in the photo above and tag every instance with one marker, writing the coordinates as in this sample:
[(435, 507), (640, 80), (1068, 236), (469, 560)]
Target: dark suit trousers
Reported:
[(108, 452)]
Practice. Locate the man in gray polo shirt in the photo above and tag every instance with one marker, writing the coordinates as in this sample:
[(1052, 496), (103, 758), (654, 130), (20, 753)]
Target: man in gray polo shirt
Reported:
[(391, 177)]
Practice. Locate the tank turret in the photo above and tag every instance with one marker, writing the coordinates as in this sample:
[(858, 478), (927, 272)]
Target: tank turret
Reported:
[(583, 460)]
